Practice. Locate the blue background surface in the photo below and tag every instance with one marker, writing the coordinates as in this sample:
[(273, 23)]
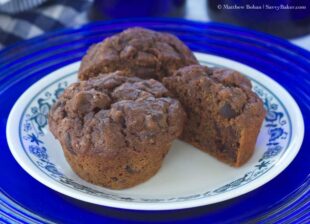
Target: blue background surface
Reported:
[(284, 198)]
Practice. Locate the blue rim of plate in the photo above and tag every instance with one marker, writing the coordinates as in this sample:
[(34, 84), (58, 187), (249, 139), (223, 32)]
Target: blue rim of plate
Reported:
[(26, 62)]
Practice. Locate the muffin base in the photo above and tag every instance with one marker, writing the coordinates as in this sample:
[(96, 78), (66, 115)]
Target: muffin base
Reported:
[(114, 174)]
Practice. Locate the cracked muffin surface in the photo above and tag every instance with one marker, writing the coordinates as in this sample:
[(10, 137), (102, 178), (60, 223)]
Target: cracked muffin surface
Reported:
[(115, 130), (224, 116), (138, 51)]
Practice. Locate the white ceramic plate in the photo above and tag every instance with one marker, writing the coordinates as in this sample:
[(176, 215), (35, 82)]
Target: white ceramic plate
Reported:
[(188, 177)]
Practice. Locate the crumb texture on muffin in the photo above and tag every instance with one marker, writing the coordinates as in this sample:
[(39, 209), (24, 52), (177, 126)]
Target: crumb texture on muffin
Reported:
[(137, 51), (223, 115), (115, 130)]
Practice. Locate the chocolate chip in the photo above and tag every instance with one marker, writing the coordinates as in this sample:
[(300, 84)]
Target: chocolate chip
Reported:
[(227, 112), (129, 169), (114, 179), (68, 144)]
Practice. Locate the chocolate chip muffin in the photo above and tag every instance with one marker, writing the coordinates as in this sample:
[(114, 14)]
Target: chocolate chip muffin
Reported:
[(137, 51), (115, 130), (223, 115)]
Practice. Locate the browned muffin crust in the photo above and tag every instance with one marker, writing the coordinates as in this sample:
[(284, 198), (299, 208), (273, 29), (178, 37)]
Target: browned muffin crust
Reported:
[(116, 130), (137, 51), (223, 115)]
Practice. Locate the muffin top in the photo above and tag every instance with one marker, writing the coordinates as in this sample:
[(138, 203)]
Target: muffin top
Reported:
[(231, 92), (114, 112), (140, 52)]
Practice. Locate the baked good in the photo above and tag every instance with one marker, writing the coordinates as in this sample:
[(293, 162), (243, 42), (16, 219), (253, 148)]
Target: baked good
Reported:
[(140, 52), (115, 130), (223, 115)]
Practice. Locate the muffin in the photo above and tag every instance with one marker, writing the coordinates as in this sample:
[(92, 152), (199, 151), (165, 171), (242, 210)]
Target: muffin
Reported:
[(137, 51), (224, 116), (115, 130)]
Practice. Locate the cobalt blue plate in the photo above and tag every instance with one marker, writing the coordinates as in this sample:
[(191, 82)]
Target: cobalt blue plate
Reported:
[(284, 199)]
